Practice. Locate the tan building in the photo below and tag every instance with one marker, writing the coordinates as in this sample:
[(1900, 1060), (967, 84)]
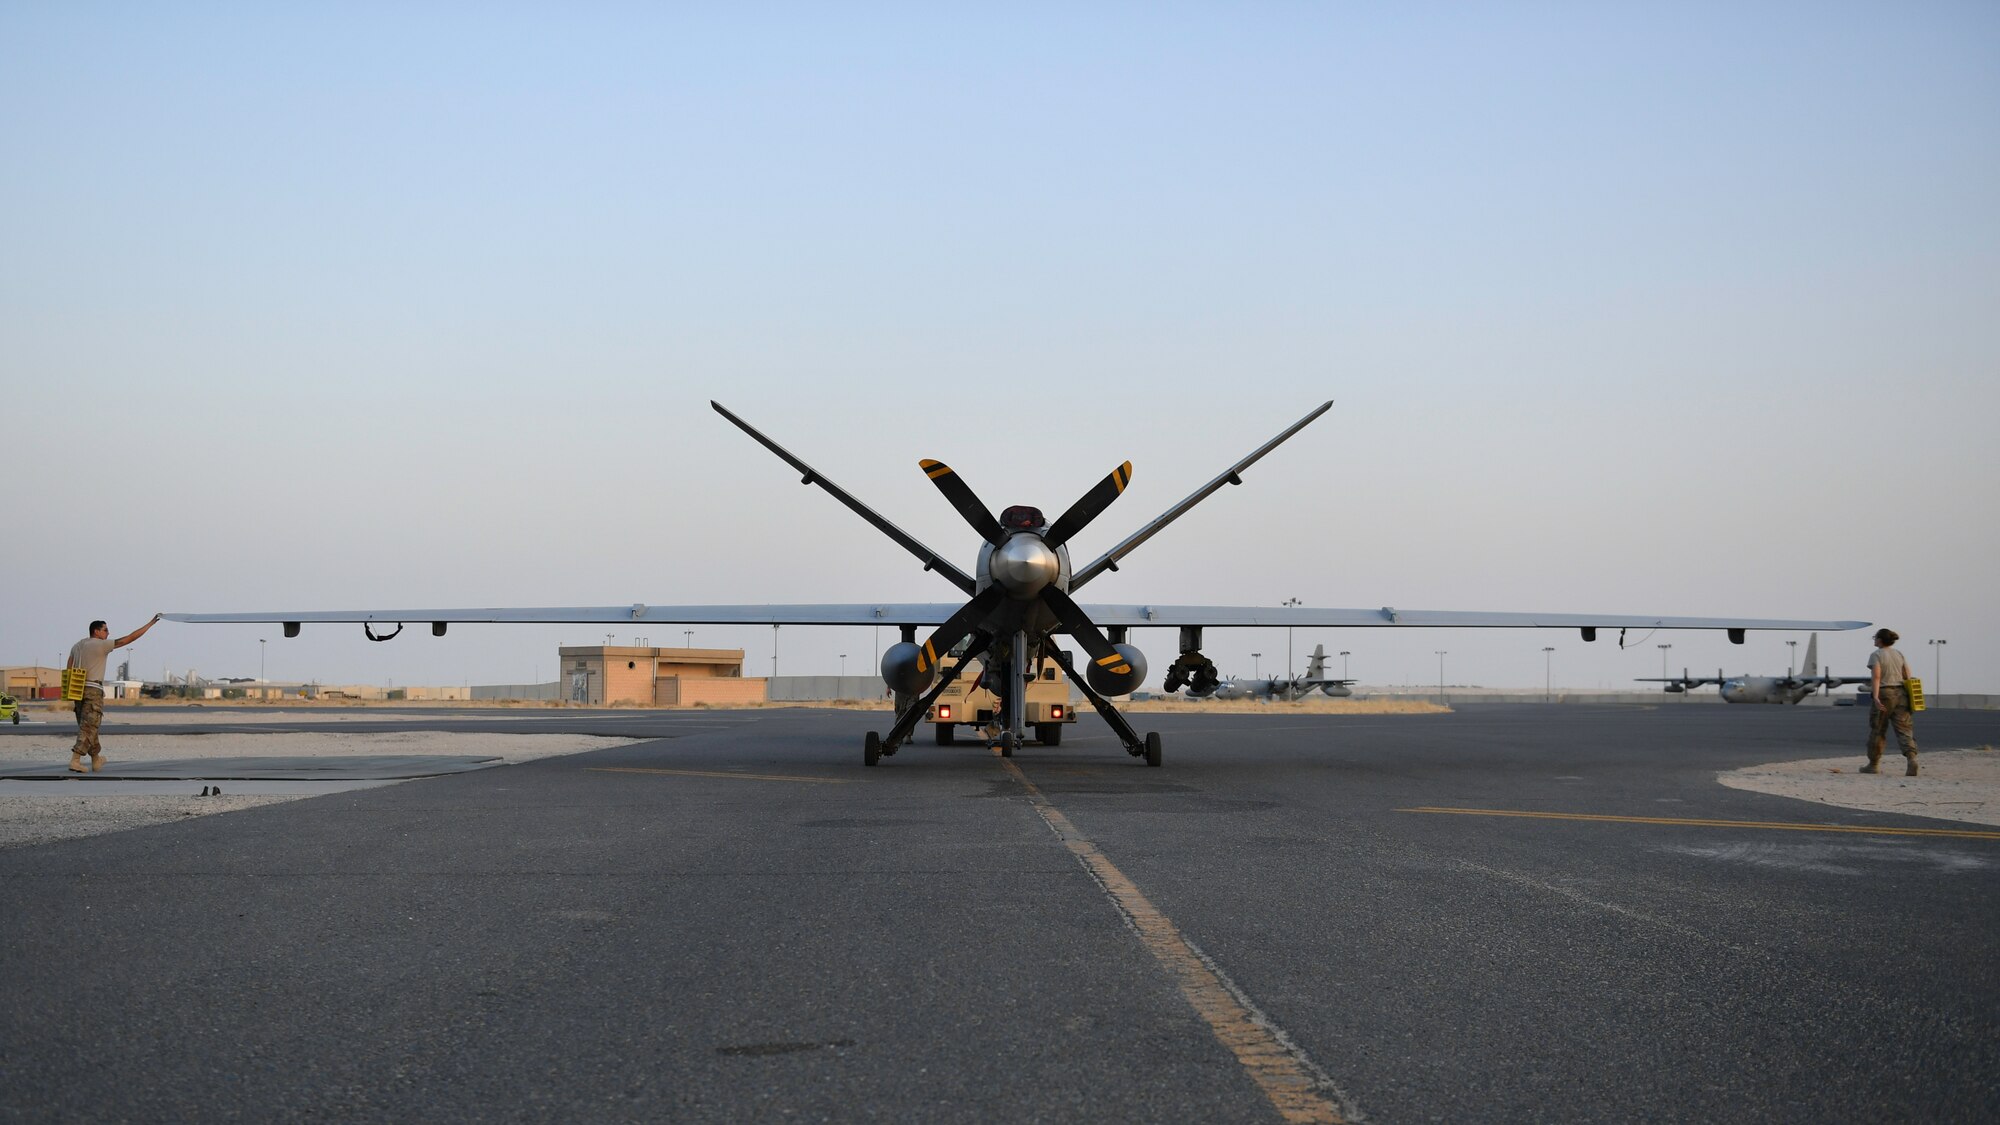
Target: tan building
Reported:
[(655, 677), (31, 682)]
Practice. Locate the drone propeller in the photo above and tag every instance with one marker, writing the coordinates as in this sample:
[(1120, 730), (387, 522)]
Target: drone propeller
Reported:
[(1024, 571), (961, 497), (1089, 506)]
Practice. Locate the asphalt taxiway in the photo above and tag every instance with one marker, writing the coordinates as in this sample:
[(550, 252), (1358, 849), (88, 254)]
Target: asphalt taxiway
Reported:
[(1510, 912)]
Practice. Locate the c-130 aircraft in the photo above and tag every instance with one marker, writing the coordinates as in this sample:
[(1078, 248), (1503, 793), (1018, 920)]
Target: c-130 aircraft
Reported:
[(1277, 687), (1746, 688), (1018, 603)]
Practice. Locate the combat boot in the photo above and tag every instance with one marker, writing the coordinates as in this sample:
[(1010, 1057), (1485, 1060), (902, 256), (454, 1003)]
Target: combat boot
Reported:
[(1912, 771), (1874, 764), (96, 762), (75, 762)]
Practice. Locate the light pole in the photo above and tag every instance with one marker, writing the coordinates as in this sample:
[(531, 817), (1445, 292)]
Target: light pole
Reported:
[(688, 635), (1288, 639), (1663, 659), (260, 660), (1790, 657), (1441, 653), (1254, 658), (1548, 674), (1343, 664), (843, 665), (774, 652), (1937, 666), (607, 640)]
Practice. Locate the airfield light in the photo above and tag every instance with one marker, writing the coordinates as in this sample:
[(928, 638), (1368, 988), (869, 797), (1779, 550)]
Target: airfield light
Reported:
[(1288, 638)]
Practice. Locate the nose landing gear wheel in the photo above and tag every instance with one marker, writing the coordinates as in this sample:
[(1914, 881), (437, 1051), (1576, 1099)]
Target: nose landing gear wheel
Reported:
[(871, 749), (1007, 743), (1153, 748)]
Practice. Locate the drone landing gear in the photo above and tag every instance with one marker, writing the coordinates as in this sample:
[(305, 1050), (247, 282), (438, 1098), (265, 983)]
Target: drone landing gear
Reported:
[(875, 747), (1147, 747)]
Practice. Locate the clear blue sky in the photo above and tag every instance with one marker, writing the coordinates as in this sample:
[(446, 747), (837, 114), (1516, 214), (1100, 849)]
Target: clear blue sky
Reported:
[(1679, 309)]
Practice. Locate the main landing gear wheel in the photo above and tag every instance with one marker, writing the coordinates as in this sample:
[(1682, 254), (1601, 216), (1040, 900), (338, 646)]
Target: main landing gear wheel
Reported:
[(1007, 743), (1152, 748), (871, 749)]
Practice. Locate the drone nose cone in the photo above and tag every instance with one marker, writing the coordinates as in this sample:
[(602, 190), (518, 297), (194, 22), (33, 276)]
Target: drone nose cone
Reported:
[(1024, 565)]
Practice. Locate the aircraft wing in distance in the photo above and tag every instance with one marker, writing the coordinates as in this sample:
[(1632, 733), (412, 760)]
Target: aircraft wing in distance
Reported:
[(933, 613)]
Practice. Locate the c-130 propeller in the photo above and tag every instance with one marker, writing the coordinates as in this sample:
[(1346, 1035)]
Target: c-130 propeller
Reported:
[(1020, 598)]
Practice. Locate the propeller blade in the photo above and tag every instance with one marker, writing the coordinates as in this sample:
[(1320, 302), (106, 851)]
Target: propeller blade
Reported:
[(1079, 625), (960, 496), (1089, 505), (958, 625)]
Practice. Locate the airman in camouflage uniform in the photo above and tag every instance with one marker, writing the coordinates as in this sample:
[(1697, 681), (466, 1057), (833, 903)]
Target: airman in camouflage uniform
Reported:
[(1891, 699), (89, 654)]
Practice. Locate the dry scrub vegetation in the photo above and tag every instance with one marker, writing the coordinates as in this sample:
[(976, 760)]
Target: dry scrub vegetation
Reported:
[(1294, 707), (1170, 706)]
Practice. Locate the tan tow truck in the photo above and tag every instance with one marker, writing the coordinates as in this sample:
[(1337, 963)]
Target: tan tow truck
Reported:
[(965, 703)]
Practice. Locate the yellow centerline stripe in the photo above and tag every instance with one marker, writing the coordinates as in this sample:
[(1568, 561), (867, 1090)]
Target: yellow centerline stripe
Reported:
[(730, 776), (1294, 1086), (1782, 826)]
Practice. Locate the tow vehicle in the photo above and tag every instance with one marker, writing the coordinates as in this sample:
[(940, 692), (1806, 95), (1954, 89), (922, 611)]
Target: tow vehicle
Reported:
[(967, 702)]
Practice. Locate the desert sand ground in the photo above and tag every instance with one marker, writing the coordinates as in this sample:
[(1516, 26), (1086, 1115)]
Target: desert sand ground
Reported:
[(1954, 784), (39, 819)]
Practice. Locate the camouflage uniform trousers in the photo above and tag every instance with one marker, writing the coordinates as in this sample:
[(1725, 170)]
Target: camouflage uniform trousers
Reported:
[(1895, 710), (89, 715)]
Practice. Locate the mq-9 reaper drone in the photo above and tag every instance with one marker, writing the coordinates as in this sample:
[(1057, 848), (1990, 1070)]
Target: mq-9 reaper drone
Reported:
[(1019, 601)]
